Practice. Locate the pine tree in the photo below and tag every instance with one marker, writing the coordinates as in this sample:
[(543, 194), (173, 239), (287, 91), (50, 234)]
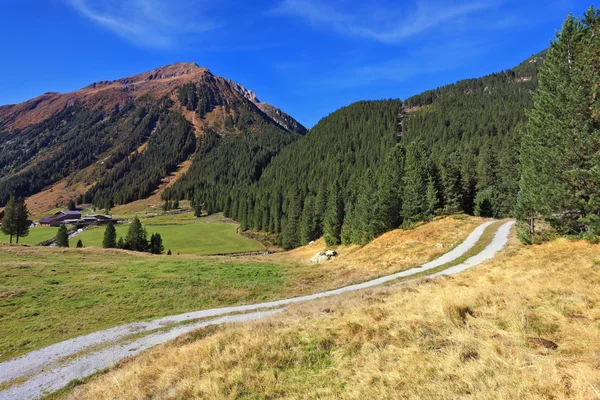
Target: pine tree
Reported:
[(414, 182), (388, 214), (227, 207), (136, 238), (320, 208), (308, 224), (156, 244), (110, 237), (560, 147), (62, 237), (365, 209), (334, 216), (79, 244), (15, 222), (121, 243), (176, 204), (291, 233), (169, 252), (452, 186), (431, 197)]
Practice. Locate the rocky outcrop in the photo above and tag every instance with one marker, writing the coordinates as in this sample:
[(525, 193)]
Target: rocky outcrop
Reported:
[(323, 256)]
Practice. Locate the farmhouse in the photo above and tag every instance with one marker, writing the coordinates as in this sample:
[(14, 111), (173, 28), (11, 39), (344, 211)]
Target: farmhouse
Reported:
[(96, 219), (59, 217)]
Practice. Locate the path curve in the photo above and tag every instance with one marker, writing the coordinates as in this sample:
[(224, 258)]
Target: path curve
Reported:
[(52, 367)]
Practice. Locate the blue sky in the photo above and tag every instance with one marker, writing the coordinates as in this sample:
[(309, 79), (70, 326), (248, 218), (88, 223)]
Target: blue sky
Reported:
[(308, 57)]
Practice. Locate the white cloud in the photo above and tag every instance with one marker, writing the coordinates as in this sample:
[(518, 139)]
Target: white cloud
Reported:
[(387, 22), (150, 23)]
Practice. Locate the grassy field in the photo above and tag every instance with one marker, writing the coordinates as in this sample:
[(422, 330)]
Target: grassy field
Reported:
[(522, 326), (50, 294), (36, 235), (202, 239)]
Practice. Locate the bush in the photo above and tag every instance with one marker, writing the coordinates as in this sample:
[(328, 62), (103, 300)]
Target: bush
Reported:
[(590, 237), (523, 233)]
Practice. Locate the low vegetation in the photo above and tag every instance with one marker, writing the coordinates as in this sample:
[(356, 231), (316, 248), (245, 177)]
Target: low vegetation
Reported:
[(50, 294), (524, 325)]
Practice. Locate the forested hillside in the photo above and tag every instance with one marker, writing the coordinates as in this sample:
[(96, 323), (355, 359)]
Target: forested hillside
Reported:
[(376, 165), (122, 138)]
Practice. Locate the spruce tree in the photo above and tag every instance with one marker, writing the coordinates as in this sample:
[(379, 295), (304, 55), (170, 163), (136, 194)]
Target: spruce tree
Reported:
[(365, 210), (10, 221), (308, 224), (334, 216), (388, 213), (79, 244), (136, 238), (291, 233), (62, 237), (560, 147), (431, 197), (320, 208), (452, 186), (15, 222), (156, 244), (110, 237), (414, 182)]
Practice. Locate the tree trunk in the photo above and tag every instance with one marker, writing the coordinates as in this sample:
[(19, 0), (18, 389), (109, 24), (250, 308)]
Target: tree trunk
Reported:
[(10, 238)]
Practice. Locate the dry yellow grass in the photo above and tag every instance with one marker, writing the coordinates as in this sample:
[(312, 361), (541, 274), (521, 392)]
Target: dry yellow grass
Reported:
[(392, 252), (487, 334)]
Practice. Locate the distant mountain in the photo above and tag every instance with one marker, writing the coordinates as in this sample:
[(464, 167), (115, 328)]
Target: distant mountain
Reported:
[(113, 142)]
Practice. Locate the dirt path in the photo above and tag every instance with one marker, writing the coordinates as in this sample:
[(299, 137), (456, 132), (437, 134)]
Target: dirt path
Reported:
[(51, 368)]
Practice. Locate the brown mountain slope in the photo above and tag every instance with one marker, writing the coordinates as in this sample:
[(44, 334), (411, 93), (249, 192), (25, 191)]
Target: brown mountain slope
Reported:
[(123, 138)]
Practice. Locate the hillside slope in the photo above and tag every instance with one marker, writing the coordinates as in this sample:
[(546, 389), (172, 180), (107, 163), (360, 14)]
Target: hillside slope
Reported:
[(459, 144), (521, 326), (124, 137)]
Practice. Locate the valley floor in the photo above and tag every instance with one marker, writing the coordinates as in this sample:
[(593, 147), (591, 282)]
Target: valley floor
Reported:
[(523, 325), (49, 294), (110, 344)]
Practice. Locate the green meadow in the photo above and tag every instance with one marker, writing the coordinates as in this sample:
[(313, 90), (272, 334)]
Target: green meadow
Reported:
[(36, 235), (198, 238)]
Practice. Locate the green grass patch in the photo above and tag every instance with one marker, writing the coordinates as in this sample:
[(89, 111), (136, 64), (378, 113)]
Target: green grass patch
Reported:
[(49, 298), (36, 236), (199, 238)]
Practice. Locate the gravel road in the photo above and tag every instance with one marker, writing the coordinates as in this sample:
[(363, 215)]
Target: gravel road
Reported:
[(51, 368)]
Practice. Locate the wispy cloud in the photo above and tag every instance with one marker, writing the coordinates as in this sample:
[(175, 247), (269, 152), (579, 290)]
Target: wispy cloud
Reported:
[(387, 22), (150, 23), (417, 63)]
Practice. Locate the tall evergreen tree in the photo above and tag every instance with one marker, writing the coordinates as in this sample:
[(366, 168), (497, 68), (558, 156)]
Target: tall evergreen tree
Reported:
[(156, 244), (110, 237), (365, 210), (431, 196), (414, 182), (334, 216), (291, 233), (62, 237), (388, 214), (136, 239), (561, 144), (308, 224), (15, 222)]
